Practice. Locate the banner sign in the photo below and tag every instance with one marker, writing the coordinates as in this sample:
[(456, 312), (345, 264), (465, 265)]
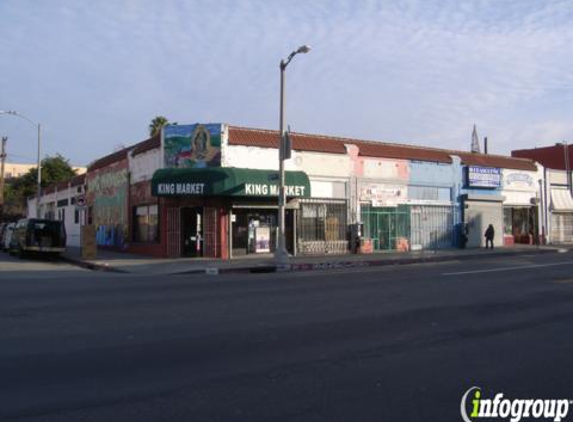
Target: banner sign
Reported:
[(483, 177)]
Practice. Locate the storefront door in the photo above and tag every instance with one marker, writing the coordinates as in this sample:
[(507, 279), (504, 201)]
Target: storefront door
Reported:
[(255, 230), (387, 227), (192, 231)]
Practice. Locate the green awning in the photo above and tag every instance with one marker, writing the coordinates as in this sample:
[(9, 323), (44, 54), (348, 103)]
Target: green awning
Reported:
[(227, 181)]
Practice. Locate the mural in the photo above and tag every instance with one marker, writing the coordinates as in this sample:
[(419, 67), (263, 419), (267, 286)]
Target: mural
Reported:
[(195, 145), (107, 195)]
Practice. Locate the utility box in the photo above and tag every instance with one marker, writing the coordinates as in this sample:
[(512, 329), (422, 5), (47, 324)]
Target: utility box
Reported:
[(89, 244)]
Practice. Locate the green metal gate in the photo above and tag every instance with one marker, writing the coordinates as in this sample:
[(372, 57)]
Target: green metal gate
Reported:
[(386, 226)]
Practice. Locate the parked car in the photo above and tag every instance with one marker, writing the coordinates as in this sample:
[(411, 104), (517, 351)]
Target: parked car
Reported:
[(33, 235), (2, 229), (7, 236)]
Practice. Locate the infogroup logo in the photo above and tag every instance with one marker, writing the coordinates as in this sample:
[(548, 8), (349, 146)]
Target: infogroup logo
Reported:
[(515, 410)]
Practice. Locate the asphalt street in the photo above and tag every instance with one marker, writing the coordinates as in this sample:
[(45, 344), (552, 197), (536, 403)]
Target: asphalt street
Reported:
[(396, 343)]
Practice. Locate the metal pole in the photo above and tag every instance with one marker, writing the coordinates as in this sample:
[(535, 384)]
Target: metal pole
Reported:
[(39, 190), (567, 167), (281, 254), (2, 162)]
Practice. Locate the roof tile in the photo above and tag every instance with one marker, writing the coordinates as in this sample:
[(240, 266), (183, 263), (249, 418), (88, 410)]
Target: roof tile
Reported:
[(330, 144)]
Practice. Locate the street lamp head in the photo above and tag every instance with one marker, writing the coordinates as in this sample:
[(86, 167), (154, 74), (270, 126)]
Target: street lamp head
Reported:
[(303, 49)]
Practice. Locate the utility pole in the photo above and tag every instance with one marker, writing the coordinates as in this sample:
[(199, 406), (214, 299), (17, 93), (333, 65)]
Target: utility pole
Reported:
[(2, 163), (567, 166)]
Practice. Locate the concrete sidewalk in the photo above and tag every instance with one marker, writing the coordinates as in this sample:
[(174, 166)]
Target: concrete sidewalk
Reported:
[(138, 264)]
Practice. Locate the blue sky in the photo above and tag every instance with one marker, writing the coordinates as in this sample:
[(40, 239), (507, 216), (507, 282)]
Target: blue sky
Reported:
[(94, 73)]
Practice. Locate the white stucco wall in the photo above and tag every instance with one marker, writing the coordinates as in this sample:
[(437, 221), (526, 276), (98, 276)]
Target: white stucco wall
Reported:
[(520, 187), (142, 166), (49, 203), (312, 163), (329, 174)]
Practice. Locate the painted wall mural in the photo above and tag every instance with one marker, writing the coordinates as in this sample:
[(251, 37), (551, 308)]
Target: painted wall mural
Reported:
[(197, 145), (107, 195)]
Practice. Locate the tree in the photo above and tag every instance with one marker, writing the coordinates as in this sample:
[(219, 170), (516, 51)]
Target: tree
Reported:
[(157, 124), (54, 170)]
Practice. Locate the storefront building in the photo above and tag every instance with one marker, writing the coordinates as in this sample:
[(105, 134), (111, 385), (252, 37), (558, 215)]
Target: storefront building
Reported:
[(210, 190), (559, 207), (63, 202), (482, 196), (433, 211), (557, 186), (522, 206), (222, 210)]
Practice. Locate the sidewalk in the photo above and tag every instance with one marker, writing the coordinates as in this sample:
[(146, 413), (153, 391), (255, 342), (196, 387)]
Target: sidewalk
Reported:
[(138, 264)]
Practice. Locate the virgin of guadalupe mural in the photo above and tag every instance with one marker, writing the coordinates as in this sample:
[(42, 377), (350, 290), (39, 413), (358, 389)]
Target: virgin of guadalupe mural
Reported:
[(200, 145), (197, 145)]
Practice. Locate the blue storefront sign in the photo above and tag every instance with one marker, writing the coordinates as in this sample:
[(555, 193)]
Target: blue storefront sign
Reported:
[(483, 177)]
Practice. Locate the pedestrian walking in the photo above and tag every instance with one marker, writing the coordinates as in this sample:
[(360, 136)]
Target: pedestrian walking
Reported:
[(489, 235)]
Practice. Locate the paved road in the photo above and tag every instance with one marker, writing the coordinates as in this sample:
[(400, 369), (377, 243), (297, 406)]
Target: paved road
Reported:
[(386, 344)]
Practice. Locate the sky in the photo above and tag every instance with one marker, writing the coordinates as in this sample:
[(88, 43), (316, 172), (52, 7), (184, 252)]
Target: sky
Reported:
[(422, 72)]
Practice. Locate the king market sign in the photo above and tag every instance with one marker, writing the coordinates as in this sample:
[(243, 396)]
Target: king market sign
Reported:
[(246, 189), (265, 189)]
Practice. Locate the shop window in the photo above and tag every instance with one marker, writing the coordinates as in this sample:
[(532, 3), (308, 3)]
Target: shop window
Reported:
[(146, 224), (508, 221), (323, 221), (429, 193)]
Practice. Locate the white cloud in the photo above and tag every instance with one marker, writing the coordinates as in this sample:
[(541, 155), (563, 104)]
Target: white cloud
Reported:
[(417, 71)]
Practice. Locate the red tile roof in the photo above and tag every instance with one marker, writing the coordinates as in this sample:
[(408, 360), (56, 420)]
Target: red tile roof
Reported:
[(500, 161), (147, 145), (109, 159), (330, 144), (78, 180), (73, 182), (139, 148), (270, 139)]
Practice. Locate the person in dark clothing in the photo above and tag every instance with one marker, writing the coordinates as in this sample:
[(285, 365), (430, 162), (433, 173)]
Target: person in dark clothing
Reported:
[(489, 234)]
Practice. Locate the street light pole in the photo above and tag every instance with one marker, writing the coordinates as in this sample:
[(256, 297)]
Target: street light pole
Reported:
[(567, 166), (281, 254), (39, 187), (39, 126)]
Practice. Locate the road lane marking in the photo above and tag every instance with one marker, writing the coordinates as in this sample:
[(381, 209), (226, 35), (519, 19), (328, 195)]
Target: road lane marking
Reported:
[(563, 281), (519, 267)]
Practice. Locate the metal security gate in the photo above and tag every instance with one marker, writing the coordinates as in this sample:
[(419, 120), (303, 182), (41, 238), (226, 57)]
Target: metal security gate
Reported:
[(432, 226), (173, 232), (322, 227), (562, 227), (387, 227)]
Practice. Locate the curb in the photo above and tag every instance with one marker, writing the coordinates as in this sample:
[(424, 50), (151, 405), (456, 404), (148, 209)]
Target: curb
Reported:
[(318, 266), (93, 265)]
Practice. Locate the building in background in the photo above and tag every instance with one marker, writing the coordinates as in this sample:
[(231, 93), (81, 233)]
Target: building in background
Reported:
[(13, 170), (63, 202)]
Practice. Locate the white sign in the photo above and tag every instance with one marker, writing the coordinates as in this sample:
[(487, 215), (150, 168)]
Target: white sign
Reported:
[(518, 180), (81, 201), (384, 195)]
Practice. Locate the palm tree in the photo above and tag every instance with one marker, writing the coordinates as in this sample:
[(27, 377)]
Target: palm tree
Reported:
[(156, 124)]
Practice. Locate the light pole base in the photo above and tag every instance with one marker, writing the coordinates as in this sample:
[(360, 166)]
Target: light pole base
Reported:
[(281, 256)]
